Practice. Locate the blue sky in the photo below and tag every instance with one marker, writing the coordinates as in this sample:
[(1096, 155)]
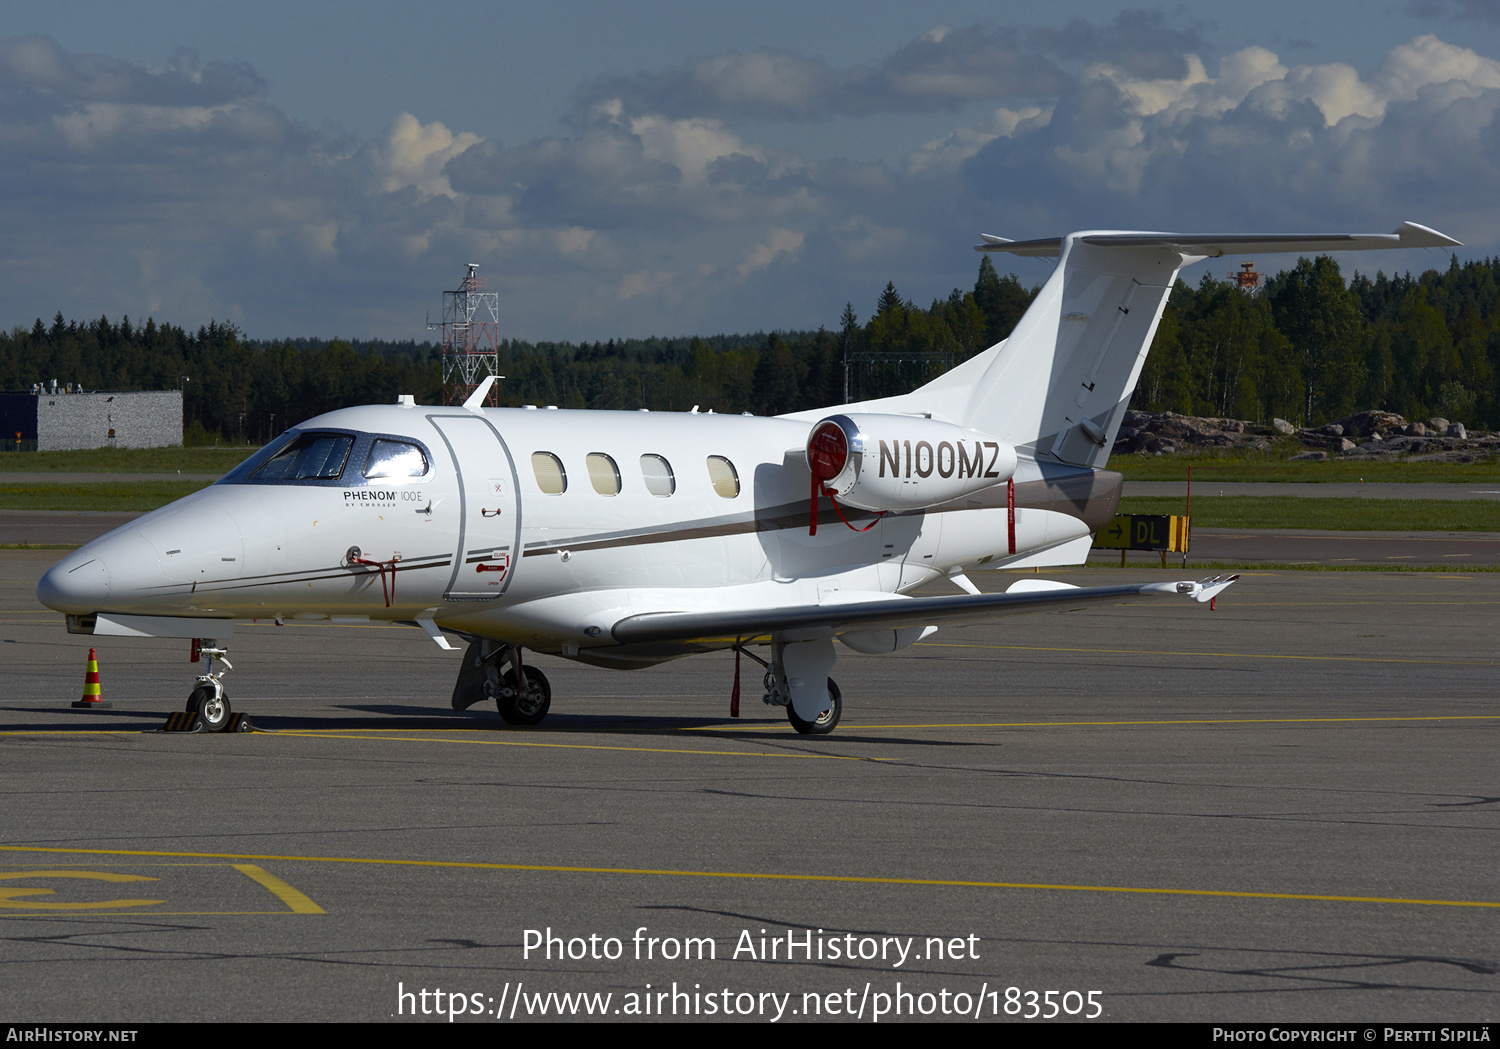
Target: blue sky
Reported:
[(671, 168)]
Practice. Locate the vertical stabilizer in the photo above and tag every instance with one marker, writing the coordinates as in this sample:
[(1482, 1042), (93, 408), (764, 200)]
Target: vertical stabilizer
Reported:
[(1058, 387)]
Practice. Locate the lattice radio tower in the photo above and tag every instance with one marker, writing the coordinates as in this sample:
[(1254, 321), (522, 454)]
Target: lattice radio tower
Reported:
[(471, 338), (1247, 279)]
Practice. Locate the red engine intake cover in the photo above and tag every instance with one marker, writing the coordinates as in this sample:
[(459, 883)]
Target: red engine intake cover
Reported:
[(827, 451)]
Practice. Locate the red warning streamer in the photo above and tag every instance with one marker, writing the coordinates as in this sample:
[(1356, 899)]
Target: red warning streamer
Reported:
[(389, 594), (1010, 511), (840, 511), (734, 696)]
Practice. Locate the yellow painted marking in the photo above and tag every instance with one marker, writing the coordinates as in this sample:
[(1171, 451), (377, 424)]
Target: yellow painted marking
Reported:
[(297, 901), (776, 726), (1218, 655), (845, 879), (10, 897), (571, 746), (1104, 724), (323, 623), (1466, 603)]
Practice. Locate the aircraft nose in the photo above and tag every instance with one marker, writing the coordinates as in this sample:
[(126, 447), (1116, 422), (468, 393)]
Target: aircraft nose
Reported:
[(148, 567), (78, 583)]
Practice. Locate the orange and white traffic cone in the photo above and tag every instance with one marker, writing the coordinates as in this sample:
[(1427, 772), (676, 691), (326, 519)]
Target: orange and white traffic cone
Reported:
[(92, 700)]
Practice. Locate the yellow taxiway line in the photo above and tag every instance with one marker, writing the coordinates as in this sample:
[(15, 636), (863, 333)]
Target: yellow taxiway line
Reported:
[(1215, 655), (728, 727), (765, 876), (365, 734)]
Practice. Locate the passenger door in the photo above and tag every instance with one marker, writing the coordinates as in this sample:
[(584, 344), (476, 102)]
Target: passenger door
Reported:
[(490, 520)]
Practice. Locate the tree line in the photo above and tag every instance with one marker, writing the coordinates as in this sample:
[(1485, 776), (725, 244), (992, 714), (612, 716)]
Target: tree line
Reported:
[(1306, 347), (1309, 348)]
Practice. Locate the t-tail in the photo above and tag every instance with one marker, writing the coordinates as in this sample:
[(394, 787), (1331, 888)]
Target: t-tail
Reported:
[(1057, 388)]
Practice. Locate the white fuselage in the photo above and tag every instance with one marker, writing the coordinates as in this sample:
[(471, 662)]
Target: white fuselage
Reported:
[(536, 527)]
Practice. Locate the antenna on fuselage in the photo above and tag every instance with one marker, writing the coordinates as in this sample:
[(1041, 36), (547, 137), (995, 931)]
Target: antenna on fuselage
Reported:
[(475, 403)]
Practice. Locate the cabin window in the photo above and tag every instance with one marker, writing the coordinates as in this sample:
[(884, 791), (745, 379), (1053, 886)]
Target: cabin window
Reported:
[(551, 478), (721, 472), (395, 459), (311, 457), (657, 473), (604, 475)]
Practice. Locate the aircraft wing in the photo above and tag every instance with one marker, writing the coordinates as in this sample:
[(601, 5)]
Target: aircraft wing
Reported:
[(893, 612), (1407, 235)]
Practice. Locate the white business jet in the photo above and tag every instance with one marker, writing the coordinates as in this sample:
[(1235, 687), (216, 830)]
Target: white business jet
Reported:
[(624, 539)]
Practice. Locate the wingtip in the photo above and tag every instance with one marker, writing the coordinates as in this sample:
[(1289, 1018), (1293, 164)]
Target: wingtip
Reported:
[(1415, 235), (1209, 589)]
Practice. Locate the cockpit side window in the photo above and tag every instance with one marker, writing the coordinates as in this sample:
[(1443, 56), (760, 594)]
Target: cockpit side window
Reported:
[(395, 459), (311, 457)]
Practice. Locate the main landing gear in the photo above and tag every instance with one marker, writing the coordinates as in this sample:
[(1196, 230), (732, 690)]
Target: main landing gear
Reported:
[(824, 722), (491, 670), (209, 700), (791, 681)]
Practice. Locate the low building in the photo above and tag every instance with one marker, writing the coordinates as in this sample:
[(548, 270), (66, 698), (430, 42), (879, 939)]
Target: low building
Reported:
[(54, 420)]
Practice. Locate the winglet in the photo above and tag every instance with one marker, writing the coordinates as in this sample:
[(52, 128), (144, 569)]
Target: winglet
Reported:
[(1203, 591), (475, 403), (1415, 236), (1211, 588)]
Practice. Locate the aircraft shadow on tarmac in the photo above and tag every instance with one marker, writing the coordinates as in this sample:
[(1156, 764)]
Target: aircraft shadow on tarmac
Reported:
[(398, 717), (394, 716)]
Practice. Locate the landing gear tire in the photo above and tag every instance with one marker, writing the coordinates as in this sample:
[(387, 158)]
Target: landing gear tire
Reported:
[(527, 706), (824, 722), (212, 707)]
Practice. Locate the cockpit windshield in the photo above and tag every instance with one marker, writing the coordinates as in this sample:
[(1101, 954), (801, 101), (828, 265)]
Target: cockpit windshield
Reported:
[(311, 457), (344, 458)]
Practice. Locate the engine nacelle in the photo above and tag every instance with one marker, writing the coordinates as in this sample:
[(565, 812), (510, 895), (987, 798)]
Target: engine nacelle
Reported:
[(903, 462)]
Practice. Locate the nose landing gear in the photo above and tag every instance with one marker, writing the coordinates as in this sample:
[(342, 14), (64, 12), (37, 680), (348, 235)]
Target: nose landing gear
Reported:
[(209, 700)]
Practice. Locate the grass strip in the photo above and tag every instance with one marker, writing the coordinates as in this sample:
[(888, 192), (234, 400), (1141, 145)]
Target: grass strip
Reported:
[(126, 460), (1176, 568), (1349, 515), (1253, 467), (102, 495)]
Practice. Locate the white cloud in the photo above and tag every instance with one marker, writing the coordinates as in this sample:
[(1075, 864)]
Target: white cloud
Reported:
[(661, 208), (689, 145), (1262, 143), (760, 80), (781, 242), (415, 155), (958, 146), (941, 69), (642, 282)]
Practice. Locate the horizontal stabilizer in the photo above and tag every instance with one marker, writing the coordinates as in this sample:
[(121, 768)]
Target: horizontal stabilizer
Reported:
[(1407, 235)]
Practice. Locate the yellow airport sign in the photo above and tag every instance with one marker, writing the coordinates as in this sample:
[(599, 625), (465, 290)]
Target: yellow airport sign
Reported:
[(1144, 532)]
